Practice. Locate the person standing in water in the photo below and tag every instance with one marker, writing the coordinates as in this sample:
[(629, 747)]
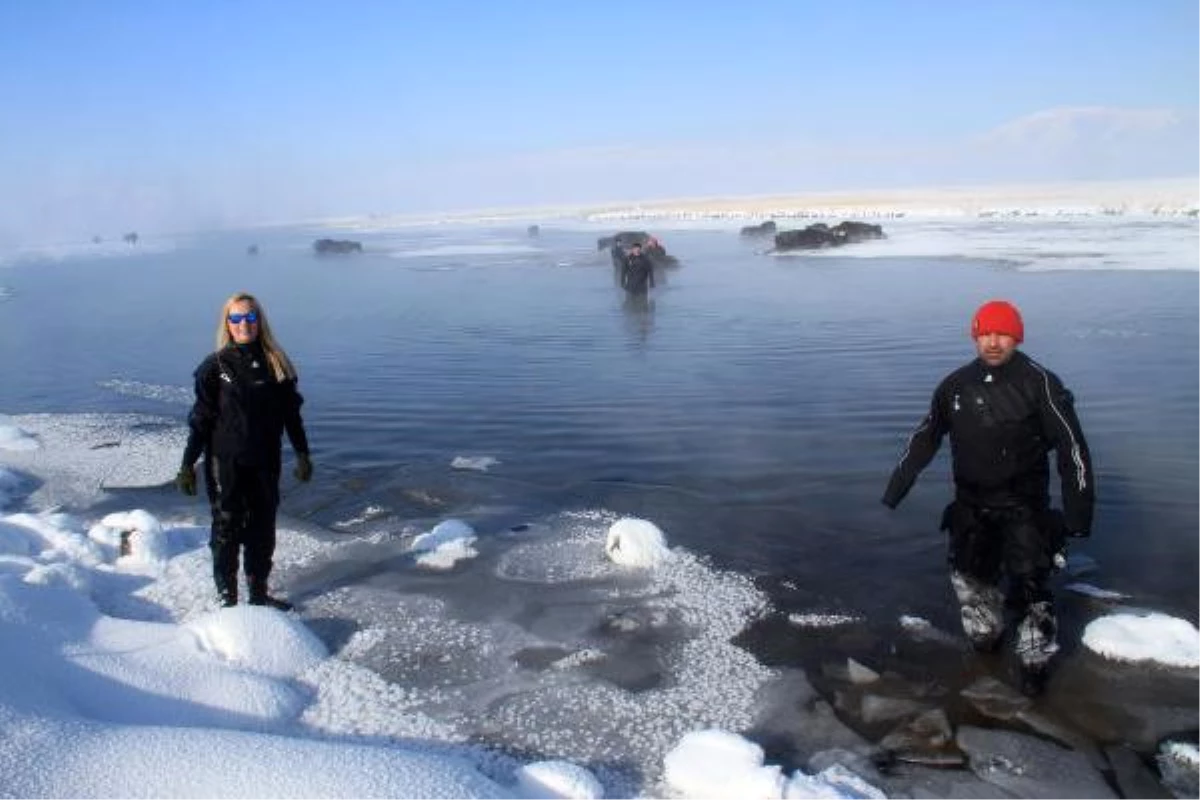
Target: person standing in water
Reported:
[(637, 271), (246, 399), (1004, 413)]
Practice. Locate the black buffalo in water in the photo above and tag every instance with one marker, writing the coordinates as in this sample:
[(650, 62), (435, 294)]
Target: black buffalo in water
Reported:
[(619, 243), (820, 235), (336, 246), (850, 232), (765, 229)]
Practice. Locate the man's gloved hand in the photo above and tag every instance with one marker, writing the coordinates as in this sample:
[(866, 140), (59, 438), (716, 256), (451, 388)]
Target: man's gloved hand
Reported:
[(303, 469), (186, 480)]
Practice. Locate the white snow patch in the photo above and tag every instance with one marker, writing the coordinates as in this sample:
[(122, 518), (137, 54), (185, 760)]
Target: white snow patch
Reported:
[(260, 639), (636, 543), (542, 780), (1150, 636), (448, 543)]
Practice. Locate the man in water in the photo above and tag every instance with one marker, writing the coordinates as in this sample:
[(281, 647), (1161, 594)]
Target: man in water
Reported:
[(637, 271), (1004, 413)]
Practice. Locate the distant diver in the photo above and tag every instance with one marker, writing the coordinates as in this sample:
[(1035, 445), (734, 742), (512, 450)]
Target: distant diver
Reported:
[(637, 271)]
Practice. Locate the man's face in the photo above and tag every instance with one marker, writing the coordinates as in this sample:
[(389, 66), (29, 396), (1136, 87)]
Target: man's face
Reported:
[(995, 348)]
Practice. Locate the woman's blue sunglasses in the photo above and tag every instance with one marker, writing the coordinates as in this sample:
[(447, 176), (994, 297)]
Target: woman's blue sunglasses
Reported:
[(238, 319)]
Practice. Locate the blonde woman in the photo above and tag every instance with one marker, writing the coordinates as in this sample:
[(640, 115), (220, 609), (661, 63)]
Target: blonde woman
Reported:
[(246, 399)]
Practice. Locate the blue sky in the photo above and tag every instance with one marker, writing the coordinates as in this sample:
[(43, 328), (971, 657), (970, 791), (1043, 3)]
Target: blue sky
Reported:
[(187, 114)]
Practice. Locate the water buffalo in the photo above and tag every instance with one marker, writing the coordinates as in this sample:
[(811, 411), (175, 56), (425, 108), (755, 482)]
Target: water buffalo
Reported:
[(618, 243), (820, 235), (765, 229), (328, 246)]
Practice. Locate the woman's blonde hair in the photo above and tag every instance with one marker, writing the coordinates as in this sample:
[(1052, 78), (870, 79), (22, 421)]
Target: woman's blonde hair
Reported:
[(281, 365)]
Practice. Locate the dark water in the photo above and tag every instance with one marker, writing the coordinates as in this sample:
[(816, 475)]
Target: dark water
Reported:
[(753, 410)]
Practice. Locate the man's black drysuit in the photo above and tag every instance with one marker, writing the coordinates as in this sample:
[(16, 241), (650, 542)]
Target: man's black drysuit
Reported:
[(637, 273), (1003, 422)]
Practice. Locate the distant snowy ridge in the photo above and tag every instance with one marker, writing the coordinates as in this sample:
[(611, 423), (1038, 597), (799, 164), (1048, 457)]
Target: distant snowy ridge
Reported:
[(965, 207), (638, 213), (1178, 197), (1187, 210)]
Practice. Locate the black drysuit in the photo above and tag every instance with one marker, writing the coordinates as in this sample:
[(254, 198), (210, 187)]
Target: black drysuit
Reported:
[(1003, 422), (637, 273), (237, 422)]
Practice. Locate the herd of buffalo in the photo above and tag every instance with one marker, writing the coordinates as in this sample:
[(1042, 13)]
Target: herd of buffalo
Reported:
[(817, 236)]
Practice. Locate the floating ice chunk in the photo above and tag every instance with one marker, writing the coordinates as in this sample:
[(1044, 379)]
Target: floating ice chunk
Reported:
[(636, 543), (477, 463), (1179, 763), (1088, 590), (860, 673), (835, 781), (448, 543), (815, 619), (447, 555), (14, 438), (259, 639), (1148, 636), (850, 672), (557, 779), (716, 763), (369, 513), (993, 698), (1184, 752), (924, 739), (880, 708), (446, 531), (924, 630)]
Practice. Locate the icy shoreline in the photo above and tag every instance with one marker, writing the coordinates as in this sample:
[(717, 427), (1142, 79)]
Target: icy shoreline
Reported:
[(133, 640)]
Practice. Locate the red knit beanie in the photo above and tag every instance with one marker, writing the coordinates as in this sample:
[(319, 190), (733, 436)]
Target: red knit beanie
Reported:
[(998, 316)]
